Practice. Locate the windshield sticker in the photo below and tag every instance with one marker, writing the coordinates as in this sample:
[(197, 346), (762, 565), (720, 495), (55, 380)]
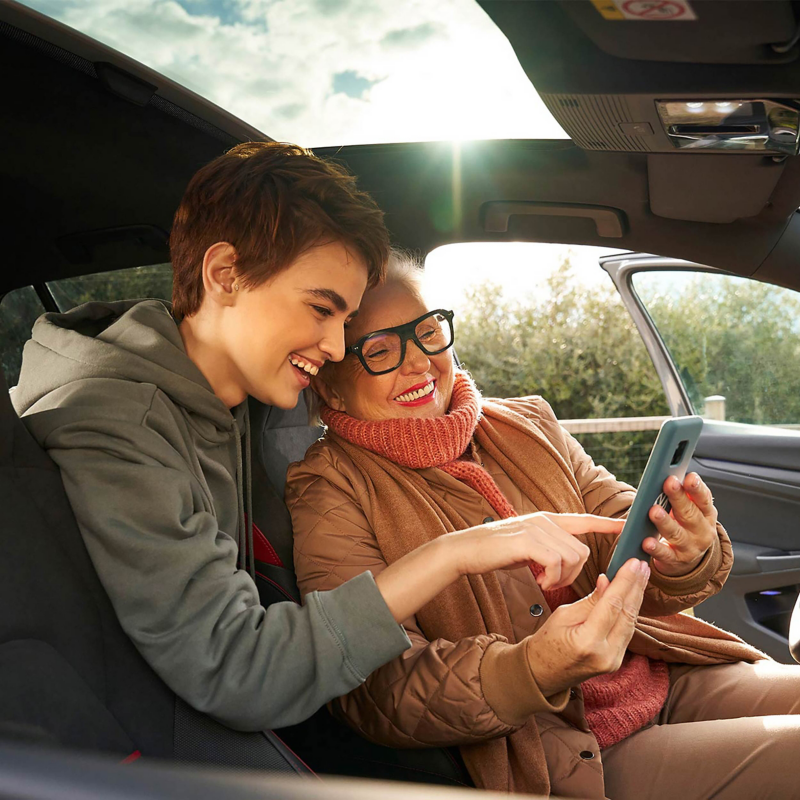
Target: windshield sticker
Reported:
[(648, 10)]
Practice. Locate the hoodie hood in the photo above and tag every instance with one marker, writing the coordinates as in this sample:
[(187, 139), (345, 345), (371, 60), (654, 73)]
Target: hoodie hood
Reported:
[(127, 340), (136, 341)]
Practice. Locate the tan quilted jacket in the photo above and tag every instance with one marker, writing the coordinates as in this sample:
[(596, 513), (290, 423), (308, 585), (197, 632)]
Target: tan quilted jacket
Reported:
[(433, 695)]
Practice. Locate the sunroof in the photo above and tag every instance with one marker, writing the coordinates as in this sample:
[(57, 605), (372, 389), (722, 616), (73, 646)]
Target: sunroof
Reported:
[(330, 72)]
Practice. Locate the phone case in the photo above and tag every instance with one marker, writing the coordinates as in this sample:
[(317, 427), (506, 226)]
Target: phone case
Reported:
[(670, 455)]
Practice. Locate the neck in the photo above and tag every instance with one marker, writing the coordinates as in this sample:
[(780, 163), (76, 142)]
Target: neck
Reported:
[(416, 442), (203, 348)]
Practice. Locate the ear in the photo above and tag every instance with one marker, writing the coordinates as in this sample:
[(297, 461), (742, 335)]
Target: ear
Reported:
[(327, 392), (220, 279)]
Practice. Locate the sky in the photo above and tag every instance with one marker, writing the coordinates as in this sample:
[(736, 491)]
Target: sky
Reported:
[(330, 72), (518, 268)]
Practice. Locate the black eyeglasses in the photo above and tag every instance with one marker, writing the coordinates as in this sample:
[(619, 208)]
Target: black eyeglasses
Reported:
[(385, 350)]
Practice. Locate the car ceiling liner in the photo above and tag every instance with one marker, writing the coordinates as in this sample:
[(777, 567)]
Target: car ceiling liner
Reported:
[(708, 89)]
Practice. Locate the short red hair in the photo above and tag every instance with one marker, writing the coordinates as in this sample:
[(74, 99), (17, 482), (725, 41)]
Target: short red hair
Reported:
[(272, 202)]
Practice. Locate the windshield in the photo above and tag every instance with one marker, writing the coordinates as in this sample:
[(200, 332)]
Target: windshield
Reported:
[(330, 72)]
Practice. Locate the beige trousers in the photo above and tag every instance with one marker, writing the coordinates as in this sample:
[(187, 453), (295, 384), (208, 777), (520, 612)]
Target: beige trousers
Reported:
[(730, 732)]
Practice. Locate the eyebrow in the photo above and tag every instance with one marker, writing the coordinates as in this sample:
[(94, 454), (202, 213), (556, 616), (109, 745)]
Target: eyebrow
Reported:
[(332, 296)]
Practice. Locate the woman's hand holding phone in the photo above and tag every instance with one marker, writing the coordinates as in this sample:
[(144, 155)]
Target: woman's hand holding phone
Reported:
[(589, 637), (687, 532)]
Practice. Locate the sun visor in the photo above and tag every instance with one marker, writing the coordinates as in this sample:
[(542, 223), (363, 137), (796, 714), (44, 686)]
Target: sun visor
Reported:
[(710, 188), (696, 31)]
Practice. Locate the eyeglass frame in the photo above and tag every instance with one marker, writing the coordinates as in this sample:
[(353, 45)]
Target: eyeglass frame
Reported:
[(406, 332)]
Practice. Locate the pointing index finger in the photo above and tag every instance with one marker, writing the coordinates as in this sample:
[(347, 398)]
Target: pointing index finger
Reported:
[(577, 524)]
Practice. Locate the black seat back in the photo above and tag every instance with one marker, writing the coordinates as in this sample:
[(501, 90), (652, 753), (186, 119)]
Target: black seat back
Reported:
[(326, 744), (69, 675), (58, 617)]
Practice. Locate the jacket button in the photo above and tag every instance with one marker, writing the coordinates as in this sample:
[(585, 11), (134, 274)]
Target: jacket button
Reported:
[(487, 520), (587, 755), (536, 610)]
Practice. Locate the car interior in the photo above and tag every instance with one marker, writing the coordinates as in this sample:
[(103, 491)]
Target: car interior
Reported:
[(97, 152)]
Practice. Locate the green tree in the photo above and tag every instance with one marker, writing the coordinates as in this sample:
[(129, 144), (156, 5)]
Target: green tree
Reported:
[(733, 337), (576, 347)]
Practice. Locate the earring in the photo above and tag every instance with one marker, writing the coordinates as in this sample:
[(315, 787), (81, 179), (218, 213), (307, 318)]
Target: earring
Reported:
[(236, 287)]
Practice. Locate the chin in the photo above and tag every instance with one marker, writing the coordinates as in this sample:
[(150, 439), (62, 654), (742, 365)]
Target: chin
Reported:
[(286, 401), (424, 412)]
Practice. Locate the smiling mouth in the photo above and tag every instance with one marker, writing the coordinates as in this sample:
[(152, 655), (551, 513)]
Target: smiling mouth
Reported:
[(418, 394), (303, 366)]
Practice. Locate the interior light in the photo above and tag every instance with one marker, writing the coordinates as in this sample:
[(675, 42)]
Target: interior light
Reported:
[(771, 126)]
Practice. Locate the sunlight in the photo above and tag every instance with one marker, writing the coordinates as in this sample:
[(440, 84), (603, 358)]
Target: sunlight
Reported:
[(518, 268)]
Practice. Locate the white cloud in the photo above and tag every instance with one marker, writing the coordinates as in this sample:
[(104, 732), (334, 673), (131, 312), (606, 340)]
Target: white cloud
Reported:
[(441, 70)]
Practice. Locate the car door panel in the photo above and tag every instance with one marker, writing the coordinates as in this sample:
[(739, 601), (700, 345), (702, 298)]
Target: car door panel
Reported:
[(753, 472)]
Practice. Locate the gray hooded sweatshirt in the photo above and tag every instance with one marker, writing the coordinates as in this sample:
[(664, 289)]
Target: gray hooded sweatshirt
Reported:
[(151, 462)]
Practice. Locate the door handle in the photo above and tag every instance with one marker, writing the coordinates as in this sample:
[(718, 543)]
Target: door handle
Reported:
[(753, 559), (778, 563)]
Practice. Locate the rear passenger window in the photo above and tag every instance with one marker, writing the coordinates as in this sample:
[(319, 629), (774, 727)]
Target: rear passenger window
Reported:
[(19, 309), (18, 312), (154, 281)]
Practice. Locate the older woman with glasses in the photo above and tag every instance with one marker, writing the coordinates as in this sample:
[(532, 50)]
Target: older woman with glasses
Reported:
[(547, 676)]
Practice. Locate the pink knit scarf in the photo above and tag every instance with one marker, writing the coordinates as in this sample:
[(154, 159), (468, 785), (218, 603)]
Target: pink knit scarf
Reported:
[(436, 442)]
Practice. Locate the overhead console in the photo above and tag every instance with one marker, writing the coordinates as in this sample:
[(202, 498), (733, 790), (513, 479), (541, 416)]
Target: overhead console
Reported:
[(709, 89), (662, 76)]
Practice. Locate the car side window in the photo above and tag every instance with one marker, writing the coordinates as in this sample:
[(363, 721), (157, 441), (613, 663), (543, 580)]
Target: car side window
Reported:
[(545, 319), (734, 341), (154, 281), (20, 309)]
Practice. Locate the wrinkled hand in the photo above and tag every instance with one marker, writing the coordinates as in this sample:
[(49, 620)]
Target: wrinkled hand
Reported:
[(546, 538), (589, 637), (687, 532)]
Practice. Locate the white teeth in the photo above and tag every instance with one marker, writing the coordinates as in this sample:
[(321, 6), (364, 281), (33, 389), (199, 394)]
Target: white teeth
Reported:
[(423, 392), (310, 368)]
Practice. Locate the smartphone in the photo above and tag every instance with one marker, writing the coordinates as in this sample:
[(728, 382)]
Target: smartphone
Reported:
[(670, 455)]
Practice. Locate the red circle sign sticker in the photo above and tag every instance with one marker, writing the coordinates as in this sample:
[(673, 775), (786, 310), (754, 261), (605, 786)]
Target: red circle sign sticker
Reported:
[(654, 9)]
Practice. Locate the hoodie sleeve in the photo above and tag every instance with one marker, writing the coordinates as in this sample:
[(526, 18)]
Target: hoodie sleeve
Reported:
[(171, 574)]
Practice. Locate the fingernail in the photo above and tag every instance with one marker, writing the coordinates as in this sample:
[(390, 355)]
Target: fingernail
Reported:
[(659, 512), (633, 564), (645, 568)]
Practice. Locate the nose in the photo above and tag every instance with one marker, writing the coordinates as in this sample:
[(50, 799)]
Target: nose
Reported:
[(332, 343), (416, 359)]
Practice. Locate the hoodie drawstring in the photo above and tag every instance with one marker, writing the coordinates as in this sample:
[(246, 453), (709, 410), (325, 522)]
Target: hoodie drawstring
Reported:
[(251, 555), (244, 526)]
